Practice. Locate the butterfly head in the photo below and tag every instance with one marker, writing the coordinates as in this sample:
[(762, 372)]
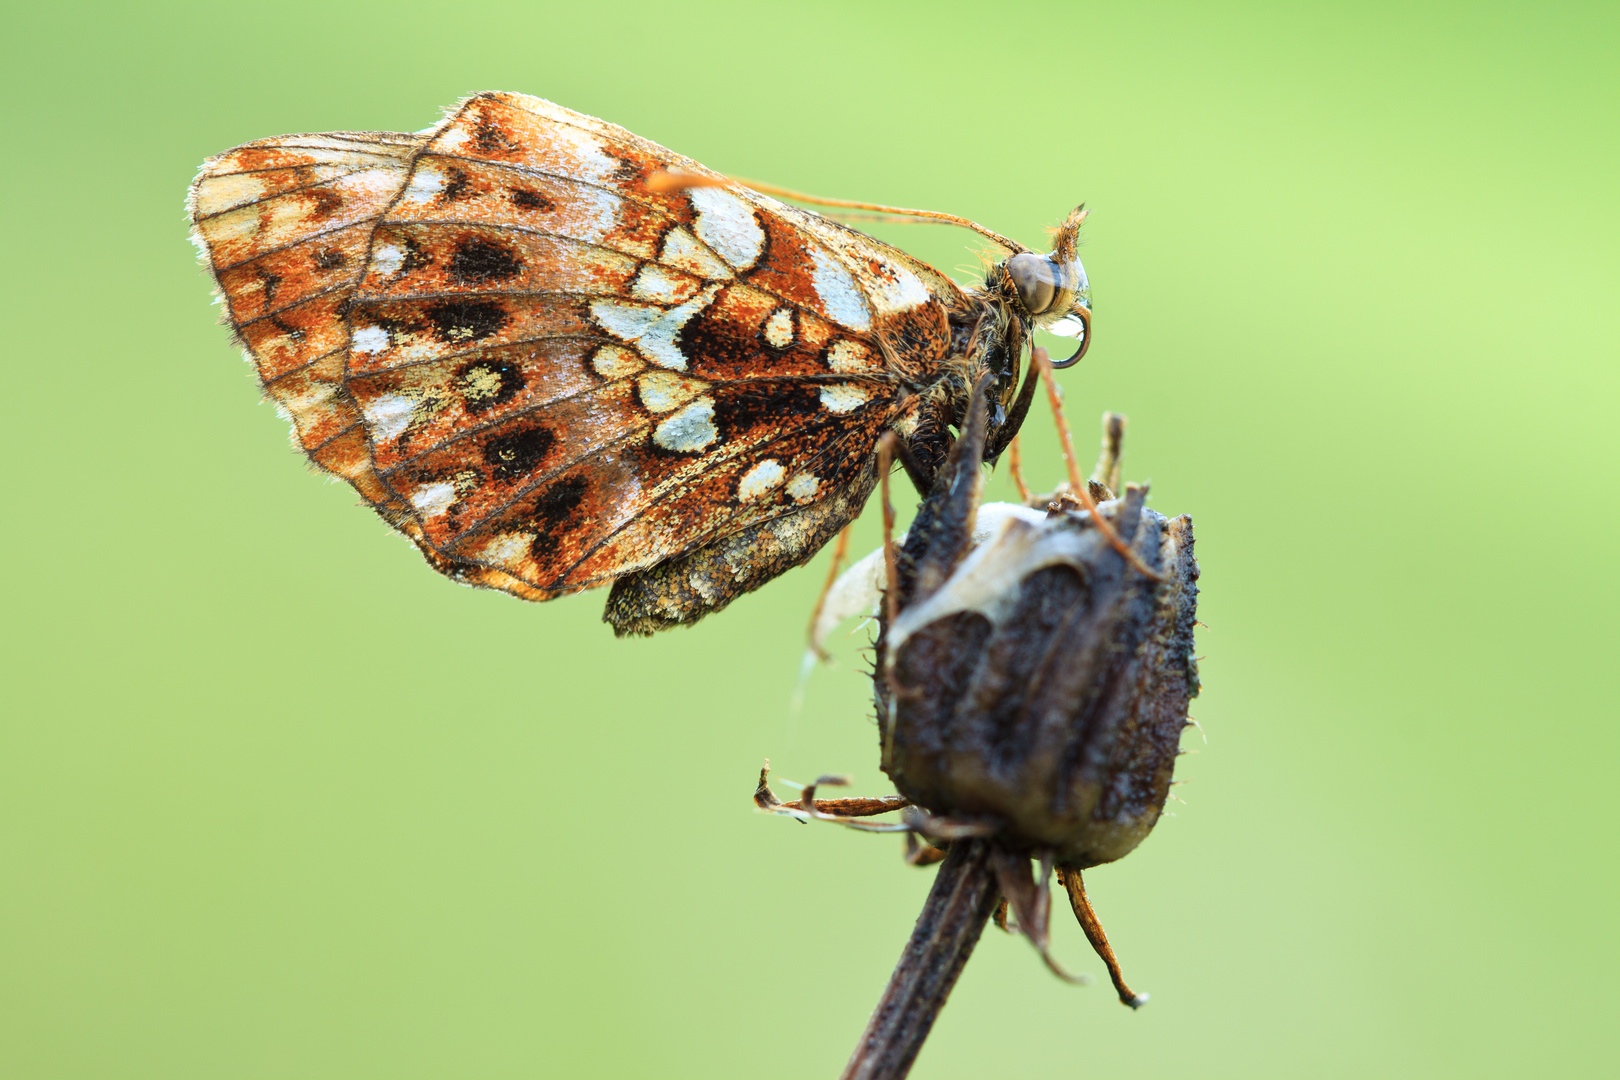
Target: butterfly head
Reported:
[(1052, 289)]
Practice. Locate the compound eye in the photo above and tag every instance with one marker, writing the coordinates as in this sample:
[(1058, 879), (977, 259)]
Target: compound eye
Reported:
[(1035, 278)]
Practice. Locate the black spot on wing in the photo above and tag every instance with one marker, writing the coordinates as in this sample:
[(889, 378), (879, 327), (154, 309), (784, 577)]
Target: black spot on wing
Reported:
[(415, 258), (489, 138), (518, 452), (294, 333), (271, 283), (327, 202), (456, 186), (725, 348), (458, 321), (525, 199), (477, 261), (740, 410), (551, 511)]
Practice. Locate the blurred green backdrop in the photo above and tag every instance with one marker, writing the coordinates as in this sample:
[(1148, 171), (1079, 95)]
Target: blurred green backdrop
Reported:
[(1355, 275)]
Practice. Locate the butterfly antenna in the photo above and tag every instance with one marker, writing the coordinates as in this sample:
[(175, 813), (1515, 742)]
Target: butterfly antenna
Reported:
[(1078, 487), (898, 211), (669, 180)]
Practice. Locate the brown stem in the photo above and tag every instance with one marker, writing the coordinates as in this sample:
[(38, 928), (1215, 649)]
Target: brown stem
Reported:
[(953, 917)]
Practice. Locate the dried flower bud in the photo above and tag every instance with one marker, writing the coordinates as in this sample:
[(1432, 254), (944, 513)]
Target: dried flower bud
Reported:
[(1036, 679), (1032, 682)]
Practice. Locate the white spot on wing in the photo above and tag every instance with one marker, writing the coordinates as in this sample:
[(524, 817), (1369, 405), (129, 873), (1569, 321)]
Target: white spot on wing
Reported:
[(584, 153), (901, 289), (682, 251), (840, 297), (434, 499), (851, 358), (803, 487), (760, 480), (844, 397), (727, 224), (689, 430), (388, 259), (452, 140), (664, 391), (779, 328), (613, 362), (653, 330), (389, 416), (660, 286), (368, 339), (426, 183), (591, 213), (506, 548)]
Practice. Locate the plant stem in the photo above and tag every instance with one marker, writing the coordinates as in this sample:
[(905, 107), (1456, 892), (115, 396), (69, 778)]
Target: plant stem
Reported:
[(960, 903)]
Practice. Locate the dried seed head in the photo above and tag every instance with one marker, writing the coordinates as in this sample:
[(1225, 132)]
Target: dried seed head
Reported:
[(1035, 679)]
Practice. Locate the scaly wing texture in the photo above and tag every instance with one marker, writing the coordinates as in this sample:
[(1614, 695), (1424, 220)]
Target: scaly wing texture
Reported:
[(544, 372), (286, 226)]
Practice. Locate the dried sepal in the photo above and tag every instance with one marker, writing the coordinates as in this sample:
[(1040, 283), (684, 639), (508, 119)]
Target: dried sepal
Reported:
[(1086, 915)]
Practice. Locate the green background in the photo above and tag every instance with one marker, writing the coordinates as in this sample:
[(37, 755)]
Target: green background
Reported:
[(278, 801)]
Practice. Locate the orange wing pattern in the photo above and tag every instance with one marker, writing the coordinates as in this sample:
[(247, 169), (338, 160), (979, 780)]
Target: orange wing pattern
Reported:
[(544, 372)]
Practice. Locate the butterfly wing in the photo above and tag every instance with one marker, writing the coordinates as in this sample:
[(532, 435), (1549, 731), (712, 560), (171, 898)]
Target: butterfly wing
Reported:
[(285, 225), (561, 375)]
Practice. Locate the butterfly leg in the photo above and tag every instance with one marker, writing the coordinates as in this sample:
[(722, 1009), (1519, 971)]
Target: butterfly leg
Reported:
[(1015, 466), (840, 548)]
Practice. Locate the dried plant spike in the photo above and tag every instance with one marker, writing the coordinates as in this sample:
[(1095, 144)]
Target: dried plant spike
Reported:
[(807, 795), (839, 811), (1078, 487), (891, 571), (945, 527), (1071, 881), (891, 588), (1107, 471), (1015, 466)]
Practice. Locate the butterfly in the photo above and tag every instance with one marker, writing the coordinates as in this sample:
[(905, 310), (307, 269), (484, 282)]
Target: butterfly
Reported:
[(558, 356)]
